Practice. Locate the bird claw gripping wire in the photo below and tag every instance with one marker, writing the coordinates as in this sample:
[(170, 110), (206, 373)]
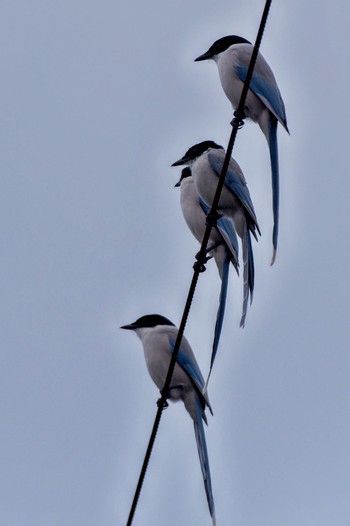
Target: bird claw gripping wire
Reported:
[(162, 401), (199, 265), (205, 258), (165, 395), (239, 119)]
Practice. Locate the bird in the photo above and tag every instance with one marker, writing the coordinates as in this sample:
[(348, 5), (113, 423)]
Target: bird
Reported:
[(264, 103), (158, 336), (222, 245), (205, 160)]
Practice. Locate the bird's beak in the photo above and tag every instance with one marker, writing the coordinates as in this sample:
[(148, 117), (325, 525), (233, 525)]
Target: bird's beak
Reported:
[(180, 162), (206, 56), (177, 184), (130, 327)]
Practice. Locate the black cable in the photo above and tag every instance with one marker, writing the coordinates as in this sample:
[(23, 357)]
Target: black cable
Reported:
[(199, 265)]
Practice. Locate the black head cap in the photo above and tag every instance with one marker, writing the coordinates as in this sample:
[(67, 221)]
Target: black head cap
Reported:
[(221, 45), (196, 151), (186, 172), (150, 320)]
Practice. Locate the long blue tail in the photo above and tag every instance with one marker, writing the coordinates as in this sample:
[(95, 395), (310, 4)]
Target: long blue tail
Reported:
[(248, 274), (272, 140), (220, 313), (251, 271), (203, 457)]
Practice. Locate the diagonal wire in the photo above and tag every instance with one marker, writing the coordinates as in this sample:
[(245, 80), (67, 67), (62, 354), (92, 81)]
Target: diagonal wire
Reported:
[(201, 258)]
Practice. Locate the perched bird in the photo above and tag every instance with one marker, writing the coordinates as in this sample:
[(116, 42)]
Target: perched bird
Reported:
[(206, 160), (263, 105), (158, 336), (222, 245)]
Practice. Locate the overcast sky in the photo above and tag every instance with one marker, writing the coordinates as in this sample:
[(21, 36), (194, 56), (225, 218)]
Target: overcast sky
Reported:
[(98, 98)]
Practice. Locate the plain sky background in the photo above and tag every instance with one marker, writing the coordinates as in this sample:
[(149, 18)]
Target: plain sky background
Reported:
[(98, 98)]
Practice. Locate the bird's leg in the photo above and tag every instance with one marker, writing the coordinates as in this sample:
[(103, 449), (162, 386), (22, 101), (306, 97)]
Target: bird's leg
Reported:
[(207, 255), (178, 386), (211, 247), (162, 401)]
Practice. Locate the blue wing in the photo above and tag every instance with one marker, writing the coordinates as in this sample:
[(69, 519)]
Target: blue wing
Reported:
[(227, 230), (235, 183), (267, 91), (189, 364), (203, 205)]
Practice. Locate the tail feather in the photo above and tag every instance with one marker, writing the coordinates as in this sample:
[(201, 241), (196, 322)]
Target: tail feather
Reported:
[(251, 272), (203, 457), (220, 313), (273, 145), (248, 274)]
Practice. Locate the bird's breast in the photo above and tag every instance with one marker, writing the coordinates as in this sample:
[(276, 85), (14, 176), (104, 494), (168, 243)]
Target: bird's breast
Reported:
[(230, 82), (157, 355), (192, 212)]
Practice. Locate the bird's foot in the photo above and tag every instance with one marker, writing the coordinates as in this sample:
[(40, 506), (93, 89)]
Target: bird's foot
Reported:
[(198, 266), (165, 395), (238, 120), (162, 401), (177, 386), (205, 258)]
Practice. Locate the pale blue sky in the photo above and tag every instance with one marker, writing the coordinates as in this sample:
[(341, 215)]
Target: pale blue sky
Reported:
[(97, 100)]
